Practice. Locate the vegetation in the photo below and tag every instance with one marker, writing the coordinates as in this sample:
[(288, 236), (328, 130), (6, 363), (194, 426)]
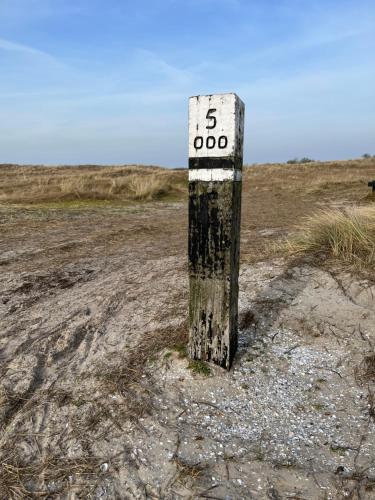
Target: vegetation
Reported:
[(199, 367), (78, 184), (181, 350), (348, 235), (295, 161)]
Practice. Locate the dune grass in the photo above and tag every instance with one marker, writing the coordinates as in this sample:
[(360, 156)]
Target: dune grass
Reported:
[(33, 185), (347, 235), (37, 185)]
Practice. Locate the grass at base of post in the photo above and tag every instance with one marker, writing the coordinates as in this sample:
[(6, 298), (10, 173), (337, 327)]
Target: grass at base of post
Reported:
[(181, 350), (199, 367)]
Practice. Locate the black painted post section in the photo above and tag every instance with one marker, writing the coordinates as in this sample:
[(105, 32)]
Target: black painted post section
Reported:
[(215, 185)]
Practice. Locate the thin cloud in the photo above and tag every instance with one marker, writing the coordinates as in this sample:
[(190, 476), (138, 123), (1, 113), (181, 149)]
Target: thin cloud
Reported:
[(156, 64), (27, 50)]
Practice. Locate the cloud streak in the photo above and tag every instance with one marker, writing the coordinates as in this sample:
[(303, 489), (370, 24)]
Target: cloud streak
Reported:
[(10, 46)]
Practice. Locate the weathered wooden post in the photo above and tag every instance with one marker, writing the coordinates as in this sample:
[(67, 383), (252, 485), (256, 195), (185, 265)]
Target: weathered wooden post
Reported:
[(216, 125)]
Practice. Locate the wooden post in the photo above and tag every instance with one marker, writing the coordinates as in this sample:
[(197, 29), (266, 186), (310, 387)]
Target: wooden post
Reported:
[(216, 124)]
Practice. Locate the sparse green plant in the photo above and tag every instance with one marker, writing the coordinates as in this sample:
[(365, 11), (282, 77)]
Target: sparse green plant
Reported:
[(199, 367), (181, 349), (318, 406)]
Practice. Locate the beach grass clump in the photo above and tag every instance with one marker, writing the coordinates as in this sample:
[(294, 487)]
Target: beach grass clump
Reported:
[(347, 235)]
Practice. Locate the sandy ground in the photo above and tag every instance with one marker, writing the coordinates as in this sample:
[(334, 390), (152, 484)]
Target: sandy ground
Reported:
[(291, 420), (96, 403)]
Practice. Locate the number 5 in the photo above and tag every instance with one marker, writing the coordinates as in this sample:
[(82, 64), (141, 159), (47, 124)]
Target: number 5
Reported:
[(209, 117)]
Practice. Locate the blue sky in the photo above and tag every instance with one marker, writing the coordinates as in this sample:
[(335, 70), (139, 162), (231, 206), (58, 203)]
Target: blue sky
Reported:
[(108, 81)]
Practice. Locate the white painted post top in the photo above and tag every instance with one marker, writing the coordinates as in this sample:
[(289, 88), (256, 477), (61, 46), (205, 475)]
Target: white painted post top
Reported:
[(216, 126)]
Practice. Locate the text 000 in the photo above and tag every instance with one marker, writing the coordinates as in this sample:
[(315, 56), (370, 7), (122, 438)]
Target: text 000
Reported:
[(211, 142)]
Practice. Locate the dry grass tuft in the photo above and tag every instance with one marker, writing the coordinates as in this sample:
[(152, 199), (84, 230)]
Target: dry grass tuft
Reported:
[(46, 478), (348, 235), (187, 470), (369, 367), (246, 319), (365, 371)]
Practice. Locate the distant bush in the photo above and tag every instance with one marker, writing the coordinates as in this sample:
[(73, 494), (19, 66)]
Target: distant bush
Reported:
[(294, 161), (366, 156)]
